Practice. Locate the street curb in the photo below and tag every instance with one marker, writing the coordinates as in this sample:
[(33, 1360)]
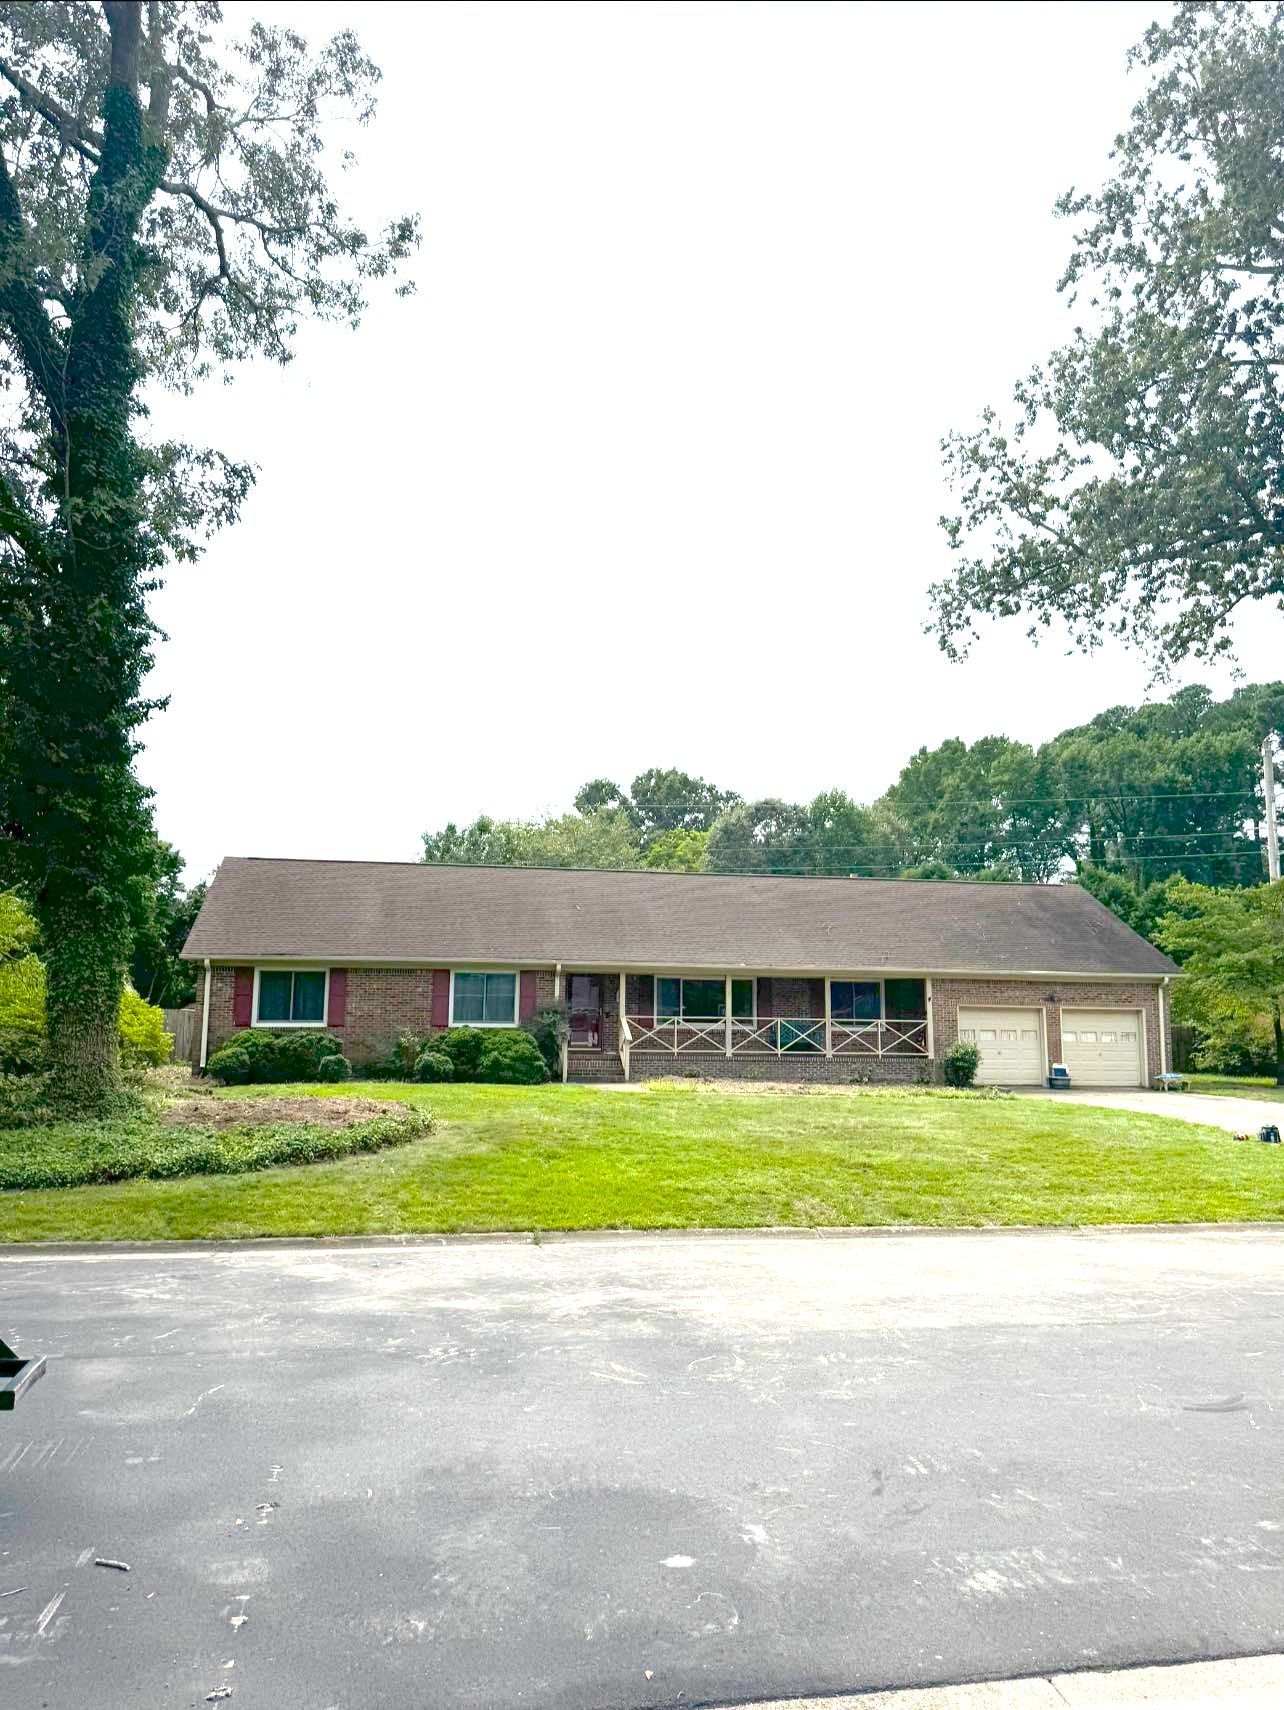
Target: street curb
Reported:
[(623, 1237), (1252, 1681)]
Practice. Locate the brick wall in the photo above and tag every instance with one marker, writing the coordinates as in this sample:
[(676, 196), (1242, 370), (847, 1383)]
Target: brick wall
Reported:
[(381, 1002), (795, 1066), (1048, 995), (791, 997)]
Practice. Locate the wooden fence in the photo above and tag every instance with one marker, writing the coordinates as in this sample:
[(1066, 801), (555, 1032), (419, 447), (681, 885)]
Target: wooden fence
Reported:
[(185, 1025)]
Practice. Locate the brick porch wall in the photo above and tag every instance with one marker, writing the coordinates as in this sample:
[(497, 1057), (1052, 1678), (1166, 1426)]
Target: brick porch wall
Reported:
[(849, 1071)]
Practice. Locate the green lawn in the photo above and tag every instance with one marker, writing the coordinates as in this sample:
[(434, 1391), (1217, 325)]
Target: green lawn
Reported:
[(1236, 1086), (681, 1156)]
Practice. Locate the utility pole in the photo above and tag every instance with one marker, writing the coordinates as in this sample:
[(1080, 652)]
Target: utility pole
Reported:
[(1268, 797)]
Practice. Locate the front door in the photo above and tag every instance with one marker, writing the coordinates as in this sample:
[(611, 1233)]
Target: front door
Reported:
[(584, 1006)]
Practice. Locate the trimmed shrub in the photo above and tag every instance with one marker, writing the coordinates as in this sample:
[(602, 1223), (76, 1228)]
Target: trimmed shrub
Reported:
[(433, 1065), (334, 1068), (960, 1063), (235, 1068), (144, 1042), (512, 1059), (548, 1027), (464, 1047), (259, 1056), (298, 1055)]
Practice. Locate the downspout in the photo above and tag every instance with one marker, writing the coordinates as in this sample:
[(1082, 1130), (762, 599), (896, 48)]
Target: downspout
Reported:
[(205, 1017), (1163, 1025)]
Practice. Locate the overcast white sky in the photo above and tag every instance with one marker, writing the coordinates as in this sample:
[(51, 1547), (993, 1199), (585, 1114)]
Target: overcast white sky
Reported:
[(647, 472)]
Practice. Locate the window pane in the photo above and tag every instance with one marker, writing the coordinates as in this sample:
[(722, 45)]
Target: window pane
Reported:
[(309, 996), (703, 1000), (906, 1000), (274, 995), (501, 997), (855, 1000), (742, 999), (668, 997), (470, 995)]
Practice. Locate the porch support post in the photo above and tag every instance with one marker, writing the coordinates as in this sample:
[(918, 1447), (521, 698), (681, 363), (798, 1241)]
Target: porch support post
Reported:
[(205, 1017), (621, 1034), (726, 1004), (829, 1020), (557, 983), (931, 1042)]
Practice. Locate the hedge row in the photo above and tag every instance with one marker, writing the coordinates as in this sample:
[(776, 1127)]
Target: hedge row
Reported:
[(72, 1154)]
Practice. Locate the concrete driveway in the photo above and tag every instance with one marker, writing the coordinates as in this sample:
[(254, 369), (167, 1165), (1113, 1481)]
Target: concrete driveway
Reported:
[(1236, 1115), (636, 1472)]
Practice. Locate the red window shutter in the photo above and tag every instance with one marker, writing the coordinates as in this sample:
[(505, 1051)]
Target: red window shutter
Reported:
[(526, 995), (765, 1000), (338, 1005), (243, 997), (441, 997)]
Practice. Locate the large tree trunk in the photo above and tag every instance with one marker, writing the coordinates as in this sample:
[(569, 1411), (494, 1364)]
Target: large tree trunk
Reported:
[(88, 705), (84, 972), (1279, 1048)]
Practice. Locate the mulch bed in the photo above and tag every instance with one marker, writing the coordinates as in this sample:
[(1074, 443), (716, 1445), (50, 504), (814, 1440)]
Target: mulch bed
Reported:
[(252, 1112)]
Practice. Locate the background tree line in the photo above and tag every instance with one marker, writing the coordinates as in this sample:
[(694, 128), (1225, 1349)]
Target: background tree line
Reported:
[(1132, 798)]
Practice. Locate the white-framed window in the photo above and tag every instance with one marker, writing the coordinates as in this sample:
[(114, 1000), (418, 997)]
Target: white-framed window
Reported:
[(695, 1001), (483, 999), (291, 997)]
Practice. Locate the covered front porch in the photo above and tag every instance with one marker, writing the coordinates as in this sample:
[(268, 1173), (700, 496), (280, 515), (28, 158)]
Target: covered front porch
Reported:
[(655, 1024)]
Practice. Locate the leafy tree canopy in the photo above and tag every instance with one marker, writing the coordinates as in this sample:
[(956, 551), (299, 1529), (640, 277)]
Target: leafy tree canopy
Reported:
[(1231, 947), (1138, 488), (1137, 793), (677, 851), (165, 915)]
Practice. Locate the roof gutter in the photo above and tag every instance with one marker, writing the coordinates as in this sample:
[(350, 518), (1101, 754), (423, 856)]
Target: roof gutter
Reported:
[(613, 964)]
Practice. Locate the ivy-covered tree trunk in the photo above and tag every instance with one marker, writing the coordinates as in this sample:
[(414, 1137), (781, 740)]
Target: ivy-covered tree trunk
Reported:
[(79, 702), (1277, 1023), (188, 226)]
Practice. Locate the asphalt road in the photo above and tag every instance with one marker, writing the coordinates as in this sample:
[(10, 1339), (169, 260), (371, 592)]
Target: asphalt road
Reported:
[(636, 1472)]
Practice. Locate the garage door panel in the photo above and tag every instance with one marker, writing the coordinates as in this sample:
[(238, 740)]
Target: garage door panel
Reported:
[(1010, 1042), (1103, 1047)]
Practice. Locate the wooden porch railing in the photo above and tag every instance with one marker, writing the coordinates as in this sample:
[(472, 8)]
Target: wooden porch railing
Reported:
[(779, 1036)]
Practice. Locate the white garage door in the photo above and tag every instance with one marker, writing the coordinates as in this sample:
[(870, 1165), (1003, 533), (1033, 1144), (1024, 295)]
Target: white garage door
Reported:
[(1102, 1047), (1010, 1042)]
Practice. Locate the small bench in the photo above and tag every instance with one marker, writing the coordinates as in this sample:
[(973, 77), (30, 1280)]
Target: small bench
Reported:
[(1170, 1082)]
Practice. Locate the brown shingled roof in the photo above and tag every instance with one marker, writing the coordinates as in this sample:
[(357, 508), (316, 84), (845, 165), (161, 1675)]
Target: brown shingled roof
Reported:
[(395, 912)]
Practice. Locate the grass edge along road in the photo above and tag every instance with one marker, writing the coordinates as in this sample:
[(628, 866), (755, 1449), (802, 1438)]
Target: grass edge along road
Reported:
[(678, 1155)]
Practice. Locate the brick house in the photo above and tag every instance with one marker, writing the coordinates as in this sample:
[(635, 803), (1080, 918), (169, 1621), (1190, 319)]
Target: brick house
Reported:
[(753, 977)]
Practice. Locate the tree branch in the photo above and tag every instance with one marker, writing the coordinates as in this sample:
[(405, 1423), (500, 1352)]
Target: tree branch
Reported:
[(68, 126), (24, 311)]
